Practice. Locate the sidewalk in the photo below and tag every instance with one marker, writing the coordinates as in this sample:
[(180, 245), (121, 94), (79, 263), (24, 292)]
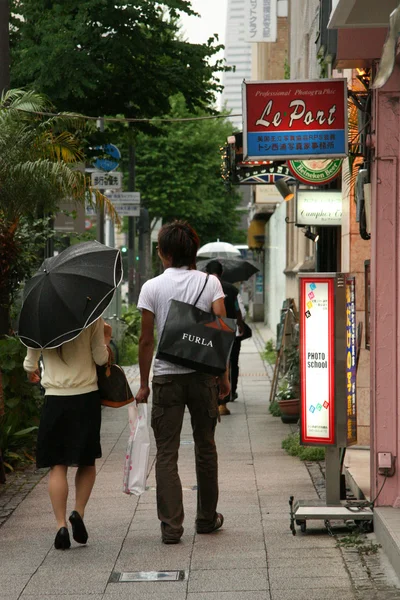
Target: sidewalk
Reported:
[(253, 557)]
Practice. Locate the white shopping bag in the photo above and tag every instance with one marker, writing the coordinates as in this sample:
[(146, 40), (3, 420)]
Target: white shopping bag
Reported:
[(138, 450)]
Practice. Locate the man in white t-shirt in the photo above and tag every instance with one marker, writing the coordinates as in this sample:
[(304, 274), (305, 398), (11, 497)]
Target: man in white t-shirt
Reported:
[(175, 387)]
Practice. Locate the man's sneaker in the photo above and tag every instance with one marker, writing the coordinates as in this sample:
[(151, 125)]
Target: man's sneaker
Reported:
[(223, 410), (219, 521)]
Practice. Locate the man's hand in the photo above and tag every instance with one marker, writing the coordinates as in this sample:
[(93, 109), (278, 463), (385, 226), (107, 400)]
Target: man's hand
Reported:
[(34, 376), (107, 333), (224, 387), (143, 394)]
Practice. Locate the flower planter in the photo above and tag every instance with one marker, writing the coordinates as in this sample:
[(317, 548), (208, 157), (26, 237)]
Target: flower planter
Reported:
[(290, 410)]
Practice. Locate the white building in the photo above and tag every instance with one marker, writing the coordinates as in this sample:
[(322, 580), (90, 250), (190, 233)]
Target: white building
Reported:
[(238, 55)]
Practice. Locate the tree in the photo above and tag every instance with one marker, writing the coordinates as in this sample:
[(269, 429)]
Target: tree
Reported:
[(108, 57), (178, 174), (39, 160)]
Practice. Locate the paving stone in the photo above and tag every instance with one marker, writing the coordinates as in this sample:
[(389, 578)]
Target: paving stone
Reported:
[(226, 580), (230, 596)]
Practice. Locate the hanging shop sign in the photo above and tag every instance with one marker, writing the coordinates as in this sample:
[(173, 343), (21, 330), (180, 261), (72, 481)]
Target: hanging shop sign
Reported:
[(260, 20), (318, 208), (316, 171), (351, 361), (262, 174), (294, 119), (317, 360)]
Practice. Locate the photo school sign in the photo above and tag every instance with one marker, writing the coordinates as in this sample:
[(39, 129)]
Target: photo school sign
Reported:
[(294, 119)]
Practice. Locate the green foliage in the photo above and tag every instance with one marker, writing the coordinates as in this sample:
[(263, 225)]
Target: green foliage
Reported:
[(178, 174), (274, 409), (358, 541), (269, 353), (293, 365), (38, 160), (111, 57), (286, 69), (286, 390), (129, 345), (309, 453), (22, 405)]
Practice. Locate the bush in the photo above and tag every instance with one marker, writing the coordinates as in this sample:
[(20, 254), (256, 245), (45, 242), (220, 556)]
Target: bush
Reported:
[(129, 345), (22, 401), (292, 446), (269, 353), (274, 409)]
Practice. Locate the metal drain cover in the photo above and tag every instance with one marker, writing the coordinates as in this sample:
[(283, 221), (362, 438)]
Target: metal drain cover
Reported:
[(147, 576)]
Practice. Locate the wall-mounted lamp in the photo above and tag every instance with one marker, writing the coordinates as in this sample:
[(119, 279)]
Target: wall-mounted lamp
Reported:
[(284, 190), (314, 237)]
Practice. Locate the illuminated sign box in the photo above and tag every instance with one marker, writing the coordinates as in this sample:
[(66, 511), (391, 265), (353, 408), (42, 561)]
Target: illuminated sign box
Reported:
[(328, 359), (294, 119), (317, 208), (317, 360)]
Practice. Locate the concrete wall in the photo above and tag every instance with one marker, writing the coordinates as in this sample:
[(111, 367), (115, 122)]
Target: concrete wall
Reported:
[(274, 266)]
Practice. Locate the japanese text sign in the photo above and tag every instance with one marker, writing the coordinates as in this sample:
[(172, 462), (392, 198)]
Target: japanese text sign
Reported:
[(109, 181), (294, 119), (260, 20), (351, 361), (317, 360)]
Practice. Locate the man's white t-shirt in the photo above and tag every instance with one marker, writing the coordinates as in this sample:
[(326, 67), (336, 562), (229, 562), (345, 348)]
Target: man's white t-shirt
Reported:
[(176, 284)]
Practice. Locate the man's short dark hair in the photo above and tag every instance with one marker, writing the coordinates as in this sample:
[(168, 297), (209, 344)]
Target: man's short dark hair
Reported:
[(214, 267), (179, 242)]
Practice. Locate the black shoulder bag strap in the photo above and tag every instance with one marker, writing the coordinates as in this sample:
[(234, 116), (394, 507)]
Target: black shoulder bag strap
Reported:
[(199, 296)]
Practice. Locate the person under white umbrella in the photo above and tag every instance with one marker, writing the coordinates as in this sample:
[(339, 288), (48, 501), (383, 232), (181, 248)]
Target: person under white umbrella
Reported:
[(221, 249)]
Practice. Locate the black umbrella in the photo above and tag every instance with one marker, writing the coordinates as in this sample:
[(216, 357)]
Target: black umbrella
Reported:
[(68, 293), (235, 269)]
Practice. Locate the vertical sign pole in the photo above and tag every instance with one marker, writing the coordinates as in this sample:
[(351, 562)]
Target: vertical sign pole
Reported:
[(131, 229), (332, 475), (100, 211)]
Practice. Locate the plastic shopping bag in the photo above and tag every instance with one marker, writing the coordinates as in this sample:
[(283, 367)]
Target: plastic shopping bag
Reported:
[(138, 450)]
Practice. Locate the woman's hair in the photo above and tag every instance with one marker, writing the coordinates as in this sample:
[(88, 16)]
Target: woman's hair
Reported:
[(179, 242)]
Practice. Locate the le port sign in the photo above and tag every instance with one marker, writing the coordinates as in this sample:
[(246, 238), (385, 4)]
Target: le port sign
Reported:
[(295, 119)]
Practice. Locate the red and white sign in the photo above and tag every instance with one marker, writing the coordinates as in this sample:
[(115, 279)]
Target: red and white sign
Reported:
[(295, 119), (317, 361)]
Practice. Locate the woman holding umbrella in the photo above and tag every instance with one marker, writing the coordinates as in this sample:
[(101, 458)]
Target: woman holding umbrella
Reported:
[(69, 430), (64, 301)]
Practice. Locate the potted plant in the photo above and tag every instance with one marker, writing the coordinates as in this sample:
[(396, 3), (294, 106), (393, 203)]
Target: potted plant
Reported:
[(288, 395)]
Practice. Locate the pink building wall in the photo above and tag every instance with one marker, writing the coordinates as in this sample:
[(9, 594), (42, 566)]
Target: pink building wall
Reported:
[(385, 287)]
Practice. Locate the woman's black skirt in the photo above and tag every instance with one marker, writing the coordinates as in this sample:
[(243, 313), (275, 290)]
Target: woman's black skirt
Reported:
[(69, 431)]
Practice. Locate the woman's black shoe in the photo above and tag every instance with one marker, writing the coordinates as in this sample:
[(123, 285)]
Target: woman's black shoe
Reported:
[(62, 541), (79, 532)]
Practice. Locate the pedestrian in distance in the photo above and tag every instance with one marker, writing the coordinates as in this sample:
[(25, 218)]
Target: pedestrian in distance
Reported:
[(175, 387), (69, 429), (233, 311)]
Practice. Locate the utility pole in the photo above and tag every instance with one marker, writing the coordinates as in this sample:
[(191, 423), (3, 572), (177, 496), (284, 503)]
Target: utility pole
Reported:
[(4, 46)]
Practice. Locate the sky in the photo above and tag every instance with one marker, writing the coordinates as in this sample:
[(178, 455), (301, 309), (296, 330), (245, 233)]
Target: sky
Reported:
[(212, 20)]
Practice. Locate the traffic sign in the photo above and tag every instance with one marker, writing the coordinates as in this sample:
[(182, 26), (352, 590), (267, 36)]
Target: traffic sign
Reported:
[(111, 161), (125, 197), (106, 181), (127, 210)]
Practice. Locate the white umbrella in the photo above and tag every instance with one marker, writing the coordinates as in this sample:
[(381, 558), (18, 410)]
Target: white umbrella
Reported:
[(222, 249)]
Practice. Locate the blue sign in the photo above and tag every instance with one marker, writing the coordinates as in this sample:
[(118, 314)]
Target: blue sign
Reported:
[(111, 163)]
